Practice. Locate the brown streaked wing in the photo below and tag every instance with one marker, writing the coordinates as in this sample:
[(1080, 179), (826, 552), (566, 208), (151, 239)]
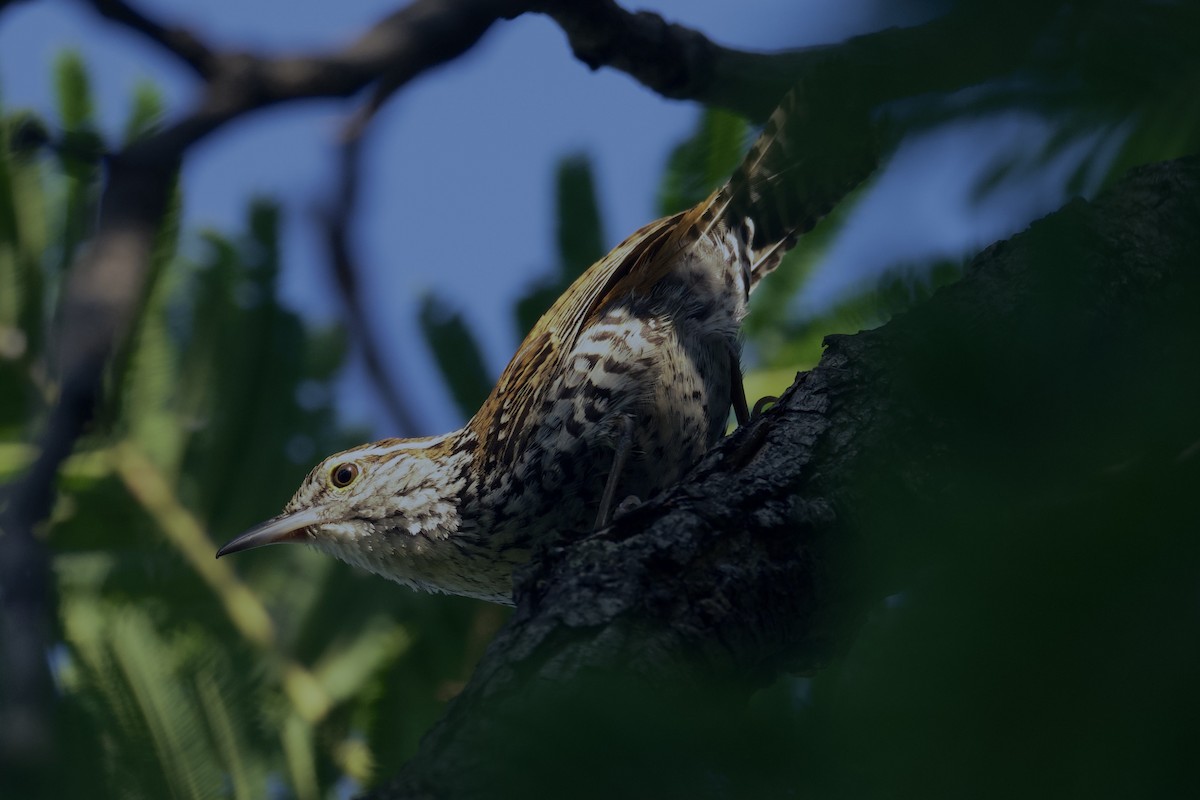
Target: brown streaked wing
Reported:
[(523, 384)]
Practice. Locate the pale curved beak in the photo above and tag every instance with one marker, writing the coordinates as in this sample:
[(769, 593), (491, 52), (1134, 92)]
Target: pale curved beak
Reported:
[(284, 528)]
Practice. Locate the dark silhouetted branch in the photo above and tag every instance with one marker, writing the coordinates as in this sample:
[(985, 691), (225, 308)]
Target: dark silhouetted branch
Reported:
[(179, 41), (678, 62)]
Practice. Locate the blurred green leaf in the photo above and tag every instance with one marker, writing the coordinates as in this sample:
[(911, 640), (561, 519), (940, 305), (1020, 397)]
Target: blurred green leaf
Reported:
[(145, 373), (226, 724), (457, 354), (24, 241), (141, 690), (145, 113), (704, 161), (580, 239), (349, 664), (78, 153), (73, 91)]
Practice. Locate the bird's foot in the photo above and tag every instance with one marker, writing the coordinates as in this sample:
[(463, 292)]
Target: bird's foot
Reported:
[(761, 406), (628, 504)]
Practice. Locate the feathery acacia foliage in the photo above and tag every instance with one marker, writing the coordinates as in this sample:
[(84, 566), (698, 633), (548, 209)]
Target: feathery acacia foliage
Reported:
[(174, 676)]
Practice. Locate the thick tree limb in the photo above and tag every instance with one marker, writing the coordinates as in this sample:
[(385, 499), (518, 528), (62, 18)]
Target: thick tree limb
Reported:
[(743, 571), (678, 62)]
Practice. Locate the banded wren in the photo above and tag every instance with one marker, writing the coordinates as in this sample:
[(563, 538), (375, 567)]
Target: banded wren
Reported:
[(621, 387)]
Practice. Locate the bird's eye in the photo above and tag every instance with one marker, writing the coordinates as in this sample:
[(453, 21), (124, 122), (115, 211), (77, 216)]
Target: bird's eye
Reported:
[(343, 475)]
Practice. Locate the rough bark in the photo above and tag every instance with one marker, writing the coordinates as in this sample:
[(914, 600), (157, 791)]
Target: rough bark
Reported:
[(760, 562)]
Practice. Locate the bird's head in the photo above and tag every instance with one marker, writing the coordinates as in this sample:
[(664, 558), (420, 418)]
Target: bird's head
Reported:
[(370, 504)]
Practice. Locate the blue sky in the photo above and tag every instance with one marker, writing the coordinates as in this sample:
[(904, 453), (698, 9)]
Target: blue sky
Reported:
[(458, 193)]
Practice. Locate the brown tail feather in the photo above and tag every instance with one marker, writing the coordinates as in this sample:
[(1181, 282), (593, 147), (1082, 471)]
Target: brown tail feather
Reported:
[(793, 175)]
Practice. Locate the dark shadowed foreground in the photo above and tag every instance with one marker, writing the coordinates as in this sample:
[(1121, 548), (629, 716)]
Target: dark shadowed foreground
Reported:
[(1010, 463)]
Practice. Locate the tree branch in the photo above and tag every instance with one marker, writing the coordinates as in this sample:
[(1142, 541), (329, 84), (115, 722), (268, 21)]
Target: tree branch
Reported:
[(678, 62), (183, 44), (754, 565)]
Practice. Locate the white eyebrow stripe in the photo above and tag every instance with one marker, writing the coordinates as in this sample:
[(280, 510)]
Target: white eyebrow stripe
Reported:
[(411, 444)]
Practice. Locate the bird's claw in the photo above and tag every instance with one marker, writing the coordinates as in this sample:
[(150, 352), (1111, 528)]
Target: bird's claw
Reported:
[(761, 406), (628, 504)]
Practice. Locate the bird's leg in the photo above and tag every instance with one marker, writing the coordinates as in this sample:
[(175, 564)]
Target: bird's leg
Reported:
[(628, 504), (623, 446), (737, 389)]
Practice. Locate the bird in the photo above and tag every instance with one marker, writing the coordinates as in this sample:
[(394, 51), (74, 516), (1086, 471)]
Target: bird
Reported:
[(624, 383)]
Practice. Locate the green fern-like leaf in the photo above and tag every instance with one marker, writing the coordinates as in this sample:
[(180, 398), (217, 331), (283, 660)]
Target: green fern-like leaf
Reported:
[(457, 353), (158, 746), (73, 90), (580, 239), (702, 162), (24, 242), (145, 112), (79, 153)]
